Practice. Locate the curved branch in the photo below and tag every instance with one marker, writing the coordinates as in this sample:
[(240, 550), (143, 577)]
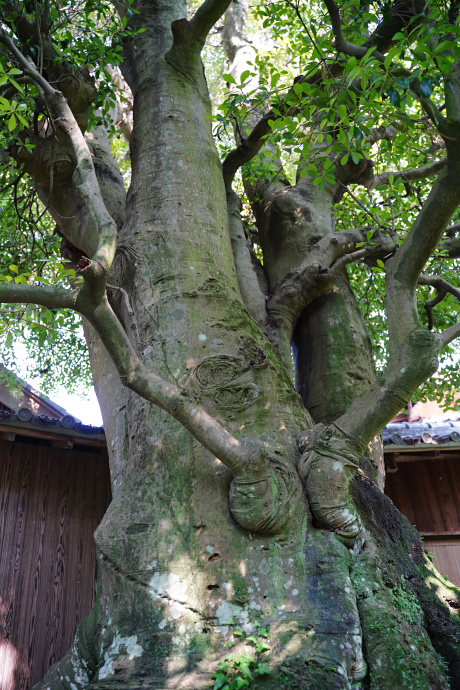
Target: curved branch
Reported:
[(409, 175), (443, 288), (205, 17), (50, 297), (248, 148), (448, 335), (341, 43), (87, 183), (315, 277)]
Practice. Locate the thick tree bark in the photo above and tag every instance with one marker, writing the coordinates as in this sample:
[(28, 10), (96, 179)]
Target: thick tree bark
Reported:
[(191, 549)]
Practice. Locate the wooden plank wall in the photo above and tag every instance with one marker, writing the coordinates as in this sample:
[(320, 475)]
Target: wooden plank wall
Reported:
[(51, 501), (427, 492), (446, 558)]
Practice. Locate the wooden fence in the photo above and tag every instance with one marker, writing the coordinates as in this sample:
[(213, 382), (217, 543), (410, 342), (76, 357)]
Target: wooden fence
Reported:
[(51, 501)]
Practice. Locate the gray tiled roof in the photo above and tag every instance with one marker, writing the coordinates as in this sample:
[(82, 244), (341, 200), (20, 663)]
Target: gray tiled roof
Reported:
[(421, 432), (26, 417)]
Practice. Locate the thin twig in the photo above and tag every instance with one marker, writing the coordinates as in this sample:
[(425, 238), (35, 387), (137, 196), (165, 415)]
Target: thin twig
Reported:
[(355, 198)]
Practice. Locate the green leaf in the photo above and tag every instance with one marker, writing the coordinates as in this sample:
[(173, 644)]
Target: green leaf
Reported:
[(15, 83), (13, 268), (380, 263), (262, 647), (391, 54), (404, 82), (244, 75), (426, 87), (262, 669), (446, 45), (245, 670), (221, 682), (9, 339), (393, 95), (244, 659), (251, 638), (12, 122), (238, 683), (298, 88), (228, 78)]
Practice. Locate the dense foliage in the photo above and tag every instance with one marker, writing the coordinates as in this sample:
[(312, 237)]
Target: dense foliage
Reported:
[(360, 111)]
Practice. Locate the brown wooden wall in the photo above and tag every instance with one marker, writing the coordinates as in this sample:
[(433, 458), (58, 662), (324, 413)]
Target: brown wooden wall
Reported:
[(446, 557), (426, 489), (427, 492), (51, 501)]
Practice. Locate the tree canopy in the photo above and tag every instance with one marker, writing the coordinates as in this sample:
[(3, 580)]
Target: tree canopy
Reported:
[(363, 92)]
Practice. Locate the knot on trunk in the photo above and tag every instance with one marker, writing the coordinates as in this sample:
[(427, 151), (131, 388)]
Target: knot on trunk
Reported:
[(328, 463), (267, 503)]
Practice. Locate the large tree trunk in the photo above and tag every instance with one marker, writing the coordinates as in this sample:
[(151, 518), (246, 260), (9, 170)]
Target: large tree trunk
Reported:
[(181, 565)]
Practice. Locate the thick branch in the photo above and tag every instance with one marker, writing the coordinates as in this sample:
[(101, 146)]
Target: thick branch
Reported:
[(414, 350), (87, 183), (248, 148), (253, 298), (341, 43), (407, 265), (448, 335), (409, 175), (206, 16), (315, 277), (50, 297)]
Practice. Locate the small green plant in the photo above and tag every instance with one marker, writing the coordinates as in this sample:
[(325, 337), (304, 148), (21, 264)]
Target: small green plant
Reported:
[(408, 605), (239, 671)]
